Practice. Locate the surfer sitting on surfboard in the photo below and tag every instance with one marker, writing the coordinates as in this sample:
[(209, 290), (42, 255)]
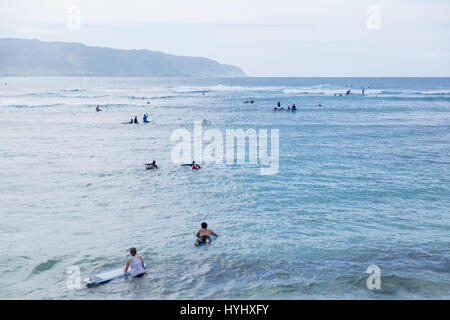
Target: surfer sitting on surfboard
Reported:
[(136, 264), (204, 235)]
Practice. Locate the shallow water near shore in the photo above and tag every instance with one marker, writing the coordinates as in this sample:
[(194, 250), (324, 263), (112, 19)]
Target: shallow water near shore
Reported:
[(363, 180)]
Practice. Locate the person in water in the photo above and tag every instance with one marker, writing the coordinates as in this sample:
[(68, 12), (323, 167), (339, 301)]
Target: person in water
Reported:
[(294, 107), (348, 92), (145, 117), (136, 265), (204, 235), (151, 166), (278, 104), (195, 166), (97, 108), (136, 120)]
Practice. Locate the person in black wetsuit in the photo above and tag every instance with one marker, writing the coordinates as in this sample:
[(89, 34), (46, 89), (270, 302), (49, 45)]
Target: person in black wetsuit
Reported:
[(204, 235), (294, 107), (151, 166)]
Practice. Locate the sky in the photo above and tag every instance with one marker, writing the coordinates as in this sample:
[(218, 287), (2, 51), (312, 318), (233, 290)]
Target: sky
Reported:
[(283, 38)]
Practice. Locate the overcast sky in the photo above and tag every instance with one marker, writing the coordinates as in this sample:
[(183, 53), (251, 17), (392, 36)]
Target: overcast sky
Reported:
[(264, 38)]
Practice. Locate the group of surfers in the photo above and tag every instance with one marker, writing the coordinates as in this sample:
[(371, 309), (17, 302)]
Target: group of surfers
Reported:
[(153, 166), (280, 108), (135, 120), (136, 263)]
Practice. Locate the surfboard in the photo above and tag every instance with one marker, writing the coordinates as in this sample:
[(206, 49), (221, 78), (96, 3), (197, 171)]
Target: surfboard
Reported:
[(105, 276), (212, 237)]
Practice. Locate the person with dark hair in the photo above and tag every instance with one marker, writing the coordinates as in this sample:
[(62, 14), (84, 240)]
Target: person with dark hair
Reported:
[(151, 166), (136, 120), (195, 166), (136, 265), (204, 235)]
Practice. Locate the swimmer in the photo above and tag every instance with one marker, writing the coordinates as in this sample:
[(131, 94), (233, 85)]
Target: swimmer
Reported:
[(136, 264), (151, 166), (204, 235), (195, 166)]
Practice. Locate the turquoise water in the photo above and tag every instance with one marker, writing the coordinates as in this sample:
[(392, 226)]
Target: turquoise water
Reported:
[(363, 180)]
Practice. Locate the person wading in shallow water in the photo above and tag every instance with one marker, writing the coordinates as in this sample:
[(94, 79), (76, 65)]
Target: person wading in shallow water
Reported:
[(136, 265)]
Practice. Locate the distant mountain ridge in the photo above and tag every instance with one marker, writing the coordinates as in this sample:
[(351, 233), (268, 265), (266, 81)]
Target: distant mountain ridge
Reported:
[(23, 57)]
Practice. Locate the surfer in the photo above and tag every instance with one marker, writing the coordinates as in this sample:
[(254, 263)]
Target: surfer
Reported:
[(195, 166), (136, 264), (151, 166), (204, 235), (145, 117), (97, 108), (348, 92), (205, 122), (294, 107), (278, 104), (136, 120)]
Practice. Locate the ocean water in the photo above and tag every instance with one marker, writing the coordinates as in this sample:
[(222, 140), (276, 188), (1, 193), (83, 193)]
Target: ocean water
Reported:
[(363, 180)]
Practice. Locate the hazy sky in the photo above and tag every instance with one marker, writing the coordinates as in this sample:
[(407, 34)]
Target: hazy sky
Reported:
[(264, 38)]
